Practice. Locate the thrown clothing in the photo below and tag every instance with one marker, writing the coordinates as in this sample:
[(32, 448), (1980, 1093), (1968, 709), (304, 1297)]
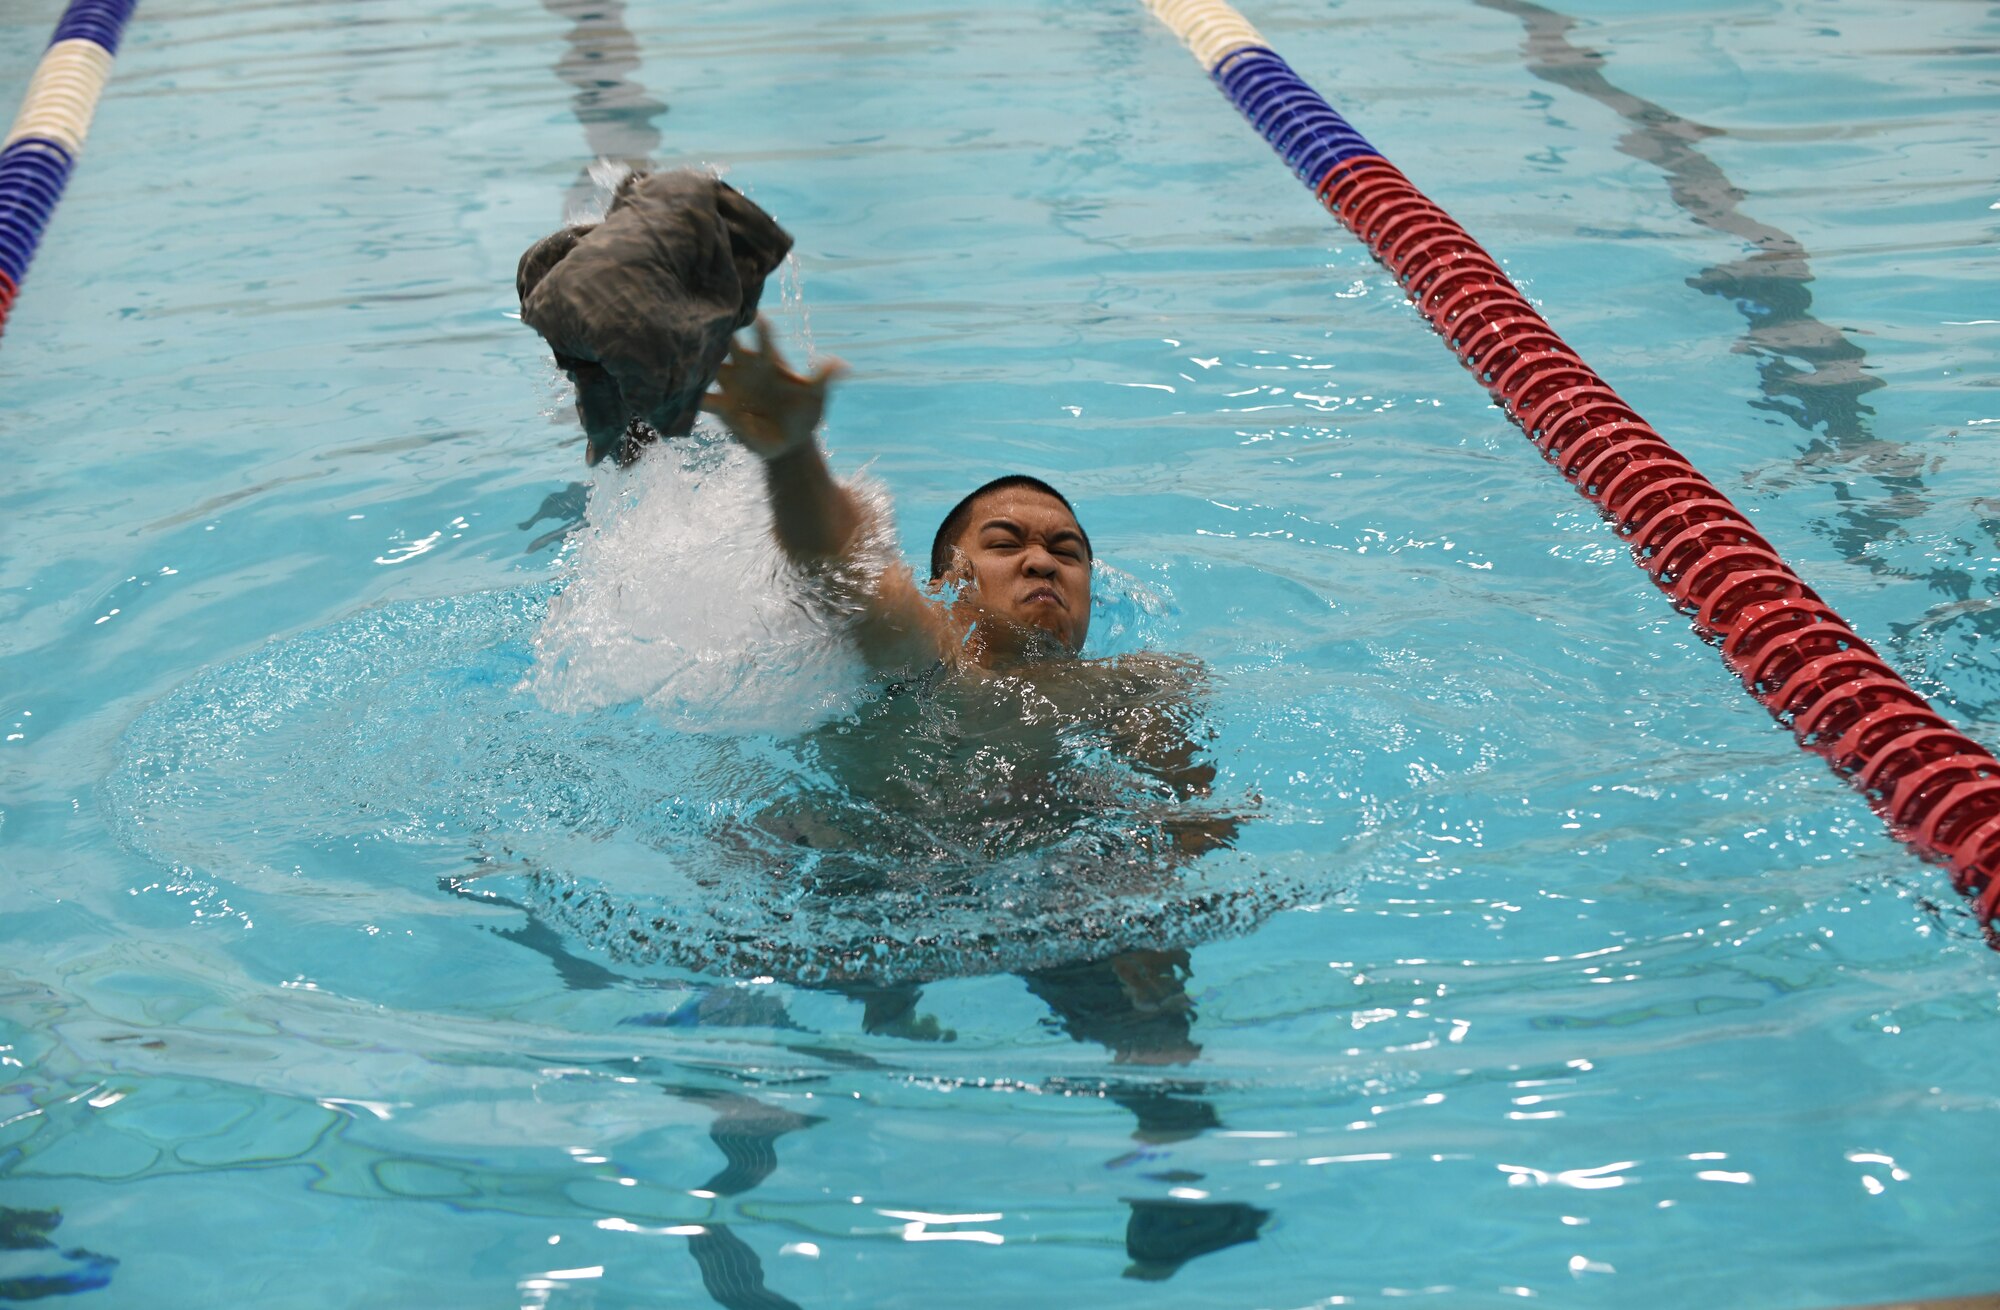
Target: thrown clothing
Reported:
[(639, 309)]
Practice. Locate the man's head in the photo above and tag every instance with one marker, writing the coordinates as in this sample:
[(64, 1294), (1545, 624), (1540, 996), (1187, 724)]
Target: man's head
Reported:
[(1024, 559)]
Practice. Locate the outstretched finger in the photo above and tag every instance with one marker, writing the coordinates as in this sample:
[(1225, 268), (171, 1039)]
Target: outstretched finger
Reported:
[(830, 369)]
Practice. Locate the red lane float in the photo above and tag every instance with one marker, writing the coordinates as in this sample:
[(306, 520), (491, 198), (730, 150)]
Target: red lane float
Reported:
[(1938, 789)]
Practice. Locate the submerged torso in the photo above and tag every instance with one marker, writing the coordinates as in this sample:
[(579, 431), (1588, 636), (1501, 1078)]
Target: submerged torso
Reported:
[(964, 766)]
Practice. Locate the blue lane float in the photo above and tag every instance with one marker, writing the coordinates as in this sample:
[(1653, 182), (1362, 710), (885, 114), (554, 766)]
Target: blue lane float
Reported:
[(40, 150), (1306, 132), (101, 21)]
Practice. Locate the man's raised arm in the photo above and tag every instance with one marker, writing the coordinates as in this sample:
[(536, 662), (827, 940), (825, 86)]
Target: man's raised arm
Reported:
[(819, 524)]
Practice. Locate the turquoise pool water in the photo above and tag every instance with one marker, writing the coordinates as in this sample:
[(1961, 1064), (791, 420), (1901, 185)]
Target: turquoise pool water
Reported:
[(350, 726)]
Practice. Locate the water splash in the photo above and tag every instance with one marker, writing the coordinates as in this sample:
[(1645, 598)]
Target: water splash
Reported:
[(792, 303), (589, 203), (679, 600)]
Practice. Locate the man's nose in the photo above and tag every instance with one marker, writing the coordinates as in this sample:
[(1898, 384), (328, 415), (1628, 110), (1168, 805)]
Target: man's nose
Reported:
[(1037, 562)]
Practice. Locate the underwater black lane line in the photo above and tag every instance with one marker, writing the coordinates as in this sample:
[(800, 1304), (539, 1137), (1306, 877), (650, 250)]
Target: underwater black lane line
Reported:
[(731, 1273), (599, 56), (746, 1131), (618, 118), (1769, 287)]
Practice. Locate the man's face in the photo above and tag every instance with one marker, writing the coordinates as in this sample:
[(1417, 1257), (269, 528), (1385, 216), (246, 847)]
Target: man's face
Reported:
[(1027, 564)]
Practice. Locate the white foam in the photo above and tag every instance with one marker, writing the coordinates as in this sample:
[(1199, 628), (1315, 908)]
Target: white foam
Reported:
[(678, 598), (605, 175)]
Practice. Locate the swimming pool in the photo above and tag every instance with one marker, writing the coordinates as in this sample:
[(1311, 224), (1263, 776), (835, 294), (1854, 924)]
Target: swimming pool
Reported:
[(1595, 988)]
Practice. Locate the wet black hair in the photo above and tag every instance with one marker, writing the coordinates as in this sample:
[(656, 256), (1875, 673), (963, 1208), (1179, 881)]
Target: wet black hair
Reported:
[(955, 522)]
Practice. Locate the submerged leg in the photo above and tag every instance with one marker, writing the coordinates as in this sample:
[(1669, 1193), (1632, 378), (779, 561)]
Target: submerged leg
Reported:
[(1162, 1236), (892, 1012), (1136, 1005)]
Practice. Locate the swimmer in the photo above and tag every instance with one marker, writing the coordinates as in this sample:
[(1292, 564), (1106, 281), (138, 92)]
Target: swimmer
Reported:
[(1006, 611)]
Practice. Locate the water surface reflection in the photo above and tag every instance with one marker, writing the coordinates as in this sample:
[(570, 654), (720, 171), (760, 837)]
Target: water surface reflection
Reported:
[(1135, 1005)]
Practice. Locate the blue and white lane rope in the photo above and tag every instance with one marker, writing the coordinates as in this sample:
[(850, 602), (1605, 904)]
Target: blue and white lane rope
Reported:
[(1308, 134), (1938, 790), (41, 148)]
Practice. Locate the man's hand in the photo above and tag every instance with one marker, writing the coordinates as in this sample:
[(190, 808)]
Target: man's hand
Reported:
[(770, 409), (820, 525)]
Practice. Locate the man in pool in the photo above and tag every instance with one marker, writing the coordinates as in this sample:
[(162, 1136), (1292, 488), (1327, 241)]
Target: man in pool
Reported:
[(1009, 596)]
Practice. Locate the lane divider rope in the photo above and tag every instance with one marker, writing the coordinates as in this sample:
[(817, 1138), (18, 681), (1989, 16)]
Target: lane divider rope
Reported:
[(1937, 789), (40, 149)]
